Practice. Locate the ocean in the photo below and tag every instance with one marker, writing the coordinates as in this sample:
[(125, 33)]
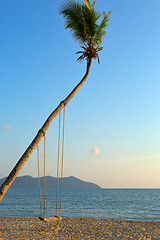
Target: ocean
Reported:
[(120, 204)]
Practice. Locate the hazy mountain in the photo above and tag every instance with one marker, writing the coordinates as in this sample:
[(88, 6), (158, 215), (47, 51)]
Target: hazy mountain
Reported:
[(51, 182)]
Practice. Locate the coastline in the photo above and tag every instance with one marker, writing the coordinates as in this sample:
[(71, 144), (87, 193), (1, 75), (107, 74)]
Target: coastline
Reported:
[(78, 228)]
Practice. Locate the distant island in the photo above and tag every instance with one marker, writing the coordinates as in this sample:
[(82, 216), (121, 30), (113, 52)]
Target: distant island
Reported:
[(51, 182)]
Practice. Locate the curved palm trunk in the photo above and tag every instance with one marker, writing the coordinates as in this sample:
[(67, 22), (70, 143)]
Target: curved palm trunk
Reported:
[(13, 174)]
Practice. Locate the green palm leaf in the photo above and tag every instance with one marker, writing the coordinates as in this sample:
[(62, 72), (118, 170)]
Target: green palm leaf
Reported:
[(82, 21), (87, 3), (100, 34)]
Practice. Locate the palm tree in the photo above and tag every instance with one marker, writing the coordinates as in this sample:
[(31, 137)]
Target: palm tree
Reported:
[(82, 20)]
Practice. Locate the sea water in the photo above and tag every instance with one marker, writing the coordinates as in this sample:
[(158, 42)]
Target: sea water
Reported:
[(123, 204)]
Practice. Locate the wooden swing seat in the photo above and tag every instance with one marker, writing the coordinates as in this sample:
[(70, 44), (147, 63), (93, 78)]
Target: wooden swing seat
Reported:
[(51, 219)]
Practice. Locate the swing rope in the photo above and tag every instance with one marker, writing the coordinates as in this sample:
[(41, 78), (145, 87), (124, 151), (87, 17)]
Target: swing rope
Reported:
[(62, 160), (39, 184), (44, 157), (59, 133), (58, 160)]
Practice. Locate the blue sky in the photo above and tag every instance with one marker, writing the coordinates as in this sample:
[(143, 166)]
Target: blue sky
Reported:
[(112, 132)]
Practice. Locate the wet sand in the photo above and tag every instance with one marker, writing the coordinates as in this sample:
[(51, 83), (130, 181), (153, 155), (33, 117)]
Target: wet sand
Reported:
[(78, 228)]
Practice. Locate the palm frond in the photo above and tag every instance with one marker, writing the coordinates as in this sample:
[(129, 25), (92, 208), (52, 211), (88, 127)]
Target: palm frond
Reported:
[(101, 32), (72, 11), (81, 20), (93, 4), (79, 52), (88, 5)]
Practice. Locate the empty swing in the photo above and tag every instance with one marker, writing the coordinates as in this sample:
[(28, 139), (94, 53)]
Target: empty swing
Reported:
[(57, 218)]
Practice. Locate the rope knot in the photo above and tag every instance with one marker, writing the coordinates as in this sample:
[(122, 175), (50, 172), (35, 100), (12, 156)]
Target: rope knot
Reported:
[(41, 131), (63, 103)]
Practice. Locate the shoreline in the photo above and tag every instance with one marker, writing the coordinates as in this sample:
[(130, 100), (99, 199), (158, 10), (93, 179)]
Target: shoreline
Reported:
[(78, 228)]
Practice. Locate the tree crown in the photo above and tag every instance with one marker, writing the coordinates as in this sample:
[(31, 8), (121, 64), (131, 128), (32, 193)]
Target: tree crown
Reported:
[(82, 21)]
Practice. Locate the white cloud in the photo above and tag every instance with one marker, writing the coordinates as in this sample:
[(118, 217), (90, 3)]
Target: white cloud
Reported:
[(6, 128), (95, 151)]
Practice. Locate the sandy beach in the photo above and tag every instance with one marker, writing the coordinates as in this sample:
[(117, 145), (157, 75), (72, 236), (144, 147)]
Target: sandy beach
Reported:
[(78, 228)]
